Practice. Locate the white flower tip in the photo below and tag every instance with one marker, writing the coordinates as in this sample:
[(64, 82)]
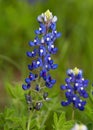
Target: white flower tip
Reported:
[(76, 71), (54, 19), (47, 16)]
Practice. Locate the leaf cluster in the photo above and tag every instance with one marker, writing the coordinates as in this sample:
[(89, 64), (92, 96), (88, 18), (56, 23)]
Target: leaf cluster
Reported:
[(60, 122)]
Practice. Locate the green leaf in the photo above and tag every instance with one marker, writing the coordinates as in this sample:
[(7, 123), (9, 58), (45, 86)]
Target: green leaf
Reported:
[(61, 123), (33, 123), (10, 90), (62, 119), (15, 91), (55, 119), (68, 125)]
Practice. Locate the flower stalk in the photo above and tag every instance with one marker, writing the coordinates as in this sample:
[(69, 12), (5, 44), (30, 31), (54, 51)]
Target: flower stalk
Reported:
[(75, 89), (43, 47)]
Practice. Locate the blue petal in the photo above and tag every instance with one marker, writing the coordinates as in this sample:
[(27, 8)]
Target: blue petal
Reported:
[(65, 103), (58, 35), (85, 95), (69, 72), (53, 26), (37, 88), (54, 66), (63, 87), (31, 76), (81, 108), (30, 67), (37, 32), (68, 80), (49, 85), (29, 54), (24, 87), (85, 83), (53, 81), (27, 80), (31, 43)]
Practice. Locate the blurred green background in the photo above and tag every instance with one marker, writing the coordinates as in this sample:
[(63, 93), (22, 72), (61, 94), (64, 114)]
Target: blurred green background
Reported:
[(17, 25)]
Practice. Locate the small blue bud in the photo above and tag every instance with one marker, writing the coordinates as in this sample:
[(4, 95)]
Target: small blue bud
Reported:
[(27, 80)]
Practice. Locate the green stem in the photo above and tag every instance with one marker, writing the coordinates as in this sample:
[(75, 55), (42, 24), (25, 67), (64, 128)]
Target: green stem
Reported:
[(73, 113), (37, 93), (29, 120), (45, 118), (47, 114)]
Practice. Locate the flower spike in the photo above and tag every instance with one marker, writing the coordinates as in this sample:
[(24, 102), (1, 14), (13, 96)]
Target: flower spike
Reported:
[(75, 89), (42, 62)]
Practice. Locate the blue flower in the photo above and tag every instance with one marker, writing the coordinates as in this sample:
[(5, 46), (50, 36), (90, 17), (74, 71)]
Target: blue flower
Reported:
[(25, 87), (42, 51), (52, 49), (28, 98), (32, 76), (75, 89), (35, 42), (49, 81), (42, 29), (53, 26), (35, 64), (43, 73), (56, 34), (48, 38), (42, 48), (38, 106), (37, 88), (48, 59), (32, 54)]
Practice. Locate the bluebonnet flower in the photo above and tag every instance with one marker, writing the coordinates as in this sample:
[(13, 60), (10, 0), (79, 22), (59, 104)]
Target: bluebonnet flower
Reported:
[(45, 95), (42, 29), (42, 62), (35, 42), (75, 89), (32, 54), (42, 51), (28, 98), (37, 88)]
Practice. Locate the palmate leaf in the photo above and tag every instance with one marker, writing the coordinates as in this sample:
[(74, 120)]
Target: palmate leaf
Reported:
[(62, 119), (67, 125), (55, 120), (15, 91), (13, 121), (61, 123)]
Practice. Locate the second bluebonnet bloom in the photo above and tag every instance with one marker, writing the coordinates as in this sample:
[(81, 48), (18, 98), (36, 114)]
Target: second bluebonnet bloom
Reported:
[(75, 89)]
